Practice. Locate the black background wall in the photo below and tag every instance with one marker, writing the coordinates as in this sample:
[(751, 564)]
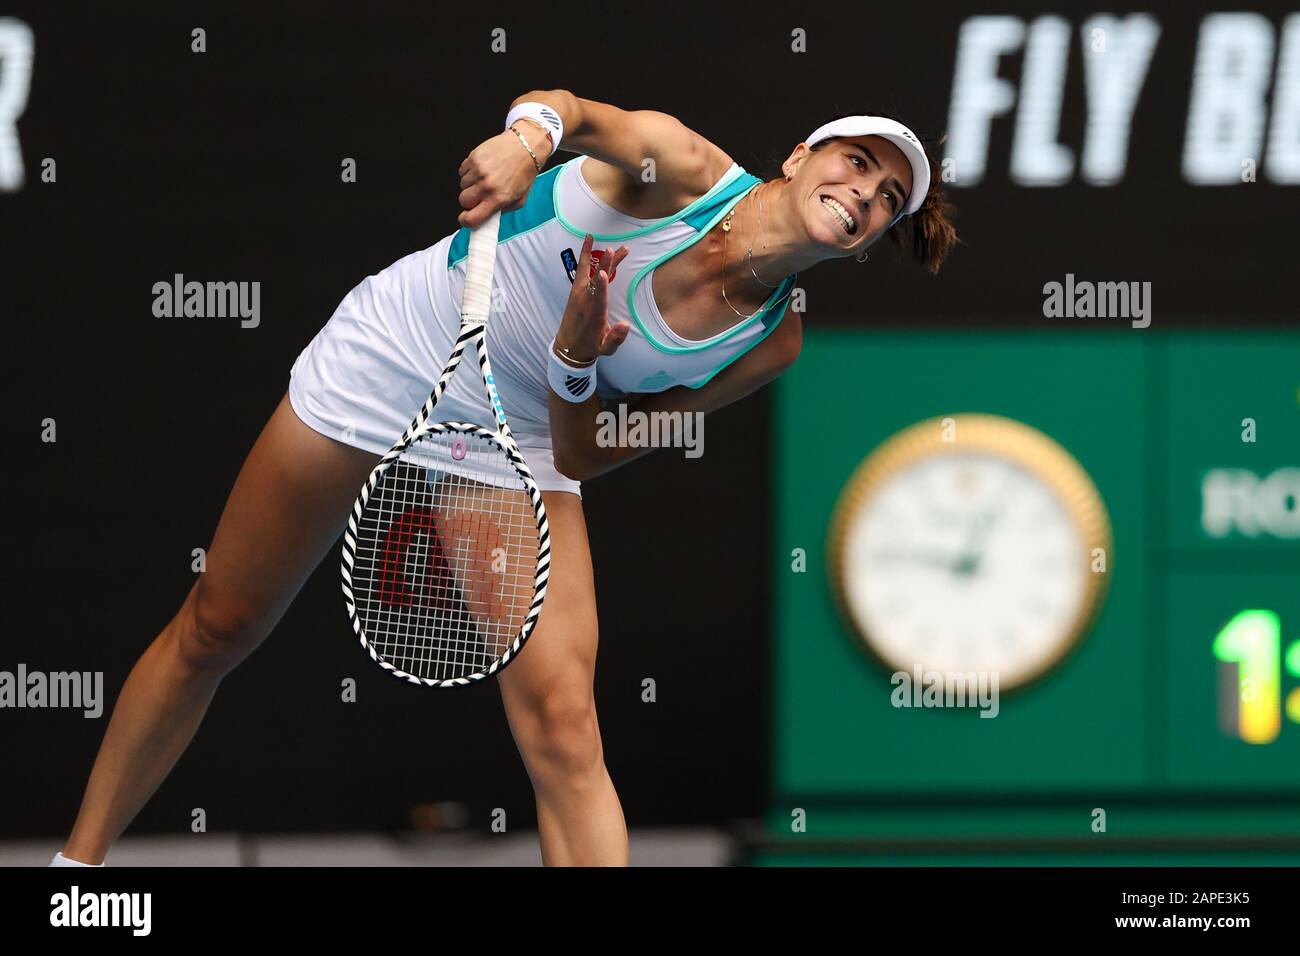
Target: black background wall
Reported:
[(225, 165)]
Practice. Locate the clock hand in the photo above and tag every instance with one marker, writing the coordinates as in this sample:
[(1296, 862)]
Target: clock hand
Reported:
[(972, 554), (917, 557)]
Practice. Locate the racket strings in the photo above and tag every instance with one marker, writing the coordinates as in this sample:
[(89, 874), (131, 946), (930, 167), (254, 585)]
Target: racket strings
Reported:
[(446, 557)]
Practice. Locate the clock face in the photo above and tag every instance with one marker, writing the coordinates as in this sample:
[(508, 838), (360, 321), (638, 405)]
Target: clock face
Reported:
[(968, 559)]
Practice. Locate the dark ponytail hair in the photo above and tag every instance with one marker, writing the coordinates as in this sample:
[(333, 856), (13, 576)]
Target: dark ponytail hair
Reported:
[(932, 228)]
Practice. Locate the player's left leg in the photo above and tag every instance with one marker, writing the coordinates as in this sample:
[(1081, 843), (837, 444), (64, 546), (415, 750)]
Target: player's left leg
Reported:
[(551, 707)]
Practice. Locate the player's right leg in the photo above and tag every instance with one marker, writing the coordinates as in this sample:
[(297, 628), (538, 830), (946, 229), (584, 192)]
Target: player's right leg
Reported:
[(288, 506)]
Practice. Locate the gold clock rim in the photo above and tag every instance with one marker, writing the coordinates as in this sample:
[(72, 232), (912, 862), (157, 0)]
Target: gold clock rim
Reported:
[(1035, 451)]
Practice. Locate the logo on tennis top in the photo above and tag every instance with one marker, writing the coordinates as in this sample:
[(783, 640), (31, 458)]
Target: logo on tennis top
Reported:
[(656, 382), (599, 259), (570, 263)]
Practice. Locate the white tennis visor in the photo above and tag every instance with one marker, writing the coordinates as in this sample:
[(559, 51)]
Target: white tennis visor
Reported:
[(896, 133)]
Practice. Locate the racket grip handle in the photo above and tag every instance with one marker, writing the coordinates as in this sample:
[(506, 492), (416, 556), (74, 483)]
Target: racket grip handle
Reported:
[(479, 265)]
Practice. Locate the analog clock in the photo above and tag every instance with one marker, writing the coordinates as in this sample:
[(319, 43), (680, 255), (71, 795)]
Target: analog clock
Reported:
[(970, 543)]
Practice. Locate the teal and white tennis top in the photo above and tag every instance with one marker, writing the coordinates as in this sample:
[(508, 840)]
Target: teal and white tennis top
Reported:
[(372, 365)]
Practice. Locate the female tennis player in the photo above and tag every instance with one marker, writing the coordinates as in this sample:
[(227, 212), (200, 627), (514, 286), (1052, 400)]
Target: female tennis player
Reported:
[(705, 255)]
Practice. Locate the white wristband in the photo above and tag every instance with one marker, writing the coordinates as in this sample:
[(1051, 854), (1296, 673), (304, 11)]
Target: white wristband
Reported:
[(61, 860), (543, 114), (571, 384)]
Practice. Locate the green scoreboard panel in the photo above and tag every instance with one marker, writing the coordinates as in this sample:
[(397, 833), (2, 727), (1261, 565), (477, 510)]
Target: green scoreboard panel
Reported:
[(1170, 732)]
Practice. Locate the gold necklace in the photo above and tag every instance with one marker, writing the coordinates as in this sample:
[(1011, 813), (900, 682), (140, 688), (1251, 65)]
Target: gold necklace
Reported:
[(749, 255), (726, 229)]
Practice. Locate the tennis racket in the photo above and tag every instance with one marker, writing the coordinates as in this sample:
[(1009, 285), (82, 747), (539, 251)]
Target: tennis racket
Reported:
[(447, 551)]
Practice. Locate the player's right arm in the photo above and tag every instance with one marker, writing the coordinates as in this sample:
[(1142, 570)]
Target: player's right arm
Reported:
[(499, 172)]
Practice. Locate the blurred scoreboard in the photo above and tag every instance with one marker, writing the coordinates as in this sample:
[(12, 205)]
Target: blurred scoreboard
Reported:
[(1171, 729)]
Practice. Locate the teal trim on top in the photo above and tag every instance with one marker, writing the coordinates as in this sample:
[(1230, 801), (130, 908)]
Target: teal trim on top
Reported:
[(732, 176), (738, 186), (537, 211), (710, 208), (770, 324)]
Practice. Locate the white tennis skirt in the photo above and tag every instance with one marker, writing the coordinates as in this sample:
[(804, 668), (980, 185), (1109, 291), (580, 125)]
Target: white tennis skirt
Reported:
[(372, 366)]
